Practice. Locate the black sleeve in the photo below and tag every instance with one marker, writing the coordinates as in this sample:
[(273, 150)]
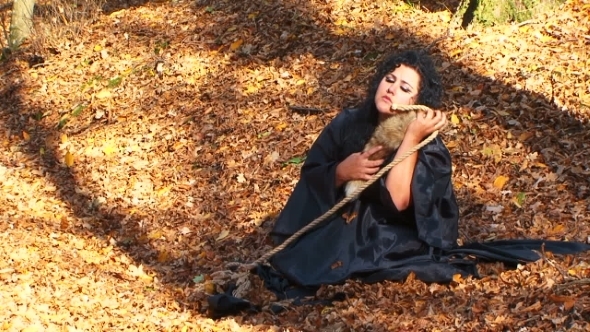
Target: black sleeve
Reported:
[(316, 190), (435, 204)]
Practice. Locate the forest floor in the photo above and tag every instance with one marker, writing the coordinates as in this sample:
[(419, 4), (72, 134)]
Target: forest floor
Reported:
[(146, 145)]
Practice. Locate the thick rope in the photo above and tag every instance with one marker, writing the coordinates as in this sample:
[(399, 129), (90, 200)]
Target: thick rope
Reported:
[(347, 199)]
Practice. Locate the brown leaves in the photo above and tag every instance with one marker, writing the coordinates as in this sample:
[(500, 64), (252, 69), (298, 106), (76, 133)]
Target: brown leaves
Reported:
[(182, 150), (336, 265), (349, 216)]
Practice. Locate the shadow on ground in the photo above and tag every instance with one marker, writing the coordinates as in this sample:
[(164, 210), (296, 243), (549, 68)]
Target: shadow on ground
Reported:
[(274, 40)]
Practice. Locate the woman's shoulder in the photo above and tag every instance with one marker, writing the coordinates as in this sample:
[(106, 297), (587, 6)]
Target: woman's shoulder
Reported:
[(346, 113), (346, 116)]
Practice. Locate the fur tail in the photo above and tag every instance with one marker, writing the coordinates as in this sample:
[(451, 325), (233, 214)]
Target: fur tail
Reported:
[(352, 186)]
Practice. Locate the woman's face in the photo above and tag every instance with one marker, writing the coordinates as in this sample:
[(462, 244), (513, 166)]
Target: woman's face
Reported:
[(397, 87)]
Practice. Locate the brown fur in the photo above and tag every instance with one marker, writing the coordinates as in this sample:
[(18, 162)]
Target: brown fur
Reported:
[(389, 134)]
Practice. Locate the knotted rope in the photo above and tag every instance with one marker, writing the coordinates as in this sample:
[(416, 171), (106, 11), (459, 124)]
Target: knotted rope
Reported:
[(249, 266)]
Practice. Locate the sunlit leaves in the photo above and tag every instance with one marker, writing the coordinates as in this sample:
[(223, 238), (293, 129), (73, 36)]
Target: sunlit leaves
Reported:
[(105, 93), (228, 72), (109, 148)]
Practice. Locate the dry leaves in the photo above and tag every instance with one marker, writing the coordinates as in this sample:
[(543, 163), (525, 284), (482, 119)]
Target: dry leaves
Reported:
[(158, 146)]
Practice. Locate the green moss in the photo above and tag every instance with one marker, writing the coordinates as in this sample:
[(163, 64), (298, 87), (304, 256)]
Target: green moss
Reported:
[(492, 12)]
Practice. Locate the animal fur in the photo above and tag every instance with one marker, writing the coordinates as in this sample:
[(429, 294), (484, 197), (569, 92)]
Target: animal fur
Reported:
[(389, 134)]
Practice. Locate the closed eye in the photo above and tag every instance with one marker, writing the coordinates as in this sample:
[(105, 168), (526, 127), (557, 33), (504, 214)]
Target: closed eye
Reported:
[(393, 79)]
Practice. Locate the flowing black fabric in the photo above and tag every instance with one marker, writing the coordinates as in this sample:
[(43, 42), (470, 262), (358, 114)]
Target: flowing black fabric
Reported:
[(379, 242)]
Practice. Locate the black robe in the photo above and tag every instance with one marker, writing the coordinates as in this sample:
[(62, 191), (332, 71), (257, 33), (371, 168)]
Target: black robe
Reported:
[(380, 235), (380, 243)]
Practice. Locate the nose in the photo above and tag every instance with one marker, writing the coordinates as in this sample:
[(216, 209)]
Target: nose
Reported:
[(391, 89)]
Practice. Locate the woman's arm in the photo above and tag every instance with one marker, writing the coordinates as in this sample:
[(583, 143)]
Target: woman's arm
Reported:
[(399, 178)]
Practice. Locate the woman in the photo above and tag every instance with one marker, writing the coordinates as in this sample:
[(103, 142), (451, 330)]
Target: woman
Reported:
[(409, 212)]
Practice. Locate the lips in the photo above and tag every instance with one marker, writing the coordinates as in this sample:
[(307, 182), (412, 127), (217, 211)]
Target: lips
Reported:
[(387, 99)]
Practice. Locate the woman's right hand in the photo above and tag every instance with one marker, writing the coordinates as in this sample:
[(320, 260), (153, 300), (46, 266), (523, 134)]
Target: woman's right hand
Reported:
[(358, 166)]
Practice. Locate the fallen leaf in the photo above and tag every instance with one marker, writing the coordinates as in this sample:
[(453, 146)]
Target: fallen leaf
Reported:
[(104, 93), (494, 208), (109, 148), (533, 307), (31, 328), (63, 224), (568, 301), (163, 256), (210, 288), (235, 45), (525, 135), (69, 159), (241, 178), (500, 181), (273, 157), (224, 233), (156, 234), (557, 230), (336, 265), (452, 144), (349, 216)]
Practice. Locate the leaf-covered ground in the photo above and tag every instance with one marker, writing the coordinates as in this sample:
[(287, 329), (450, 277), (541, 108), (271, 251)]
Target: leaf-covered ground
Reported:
[(143, 152)]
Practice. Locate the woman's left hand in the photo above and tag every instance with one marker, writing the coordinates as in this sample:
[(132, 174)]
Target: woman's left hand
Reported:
[(425, 124)]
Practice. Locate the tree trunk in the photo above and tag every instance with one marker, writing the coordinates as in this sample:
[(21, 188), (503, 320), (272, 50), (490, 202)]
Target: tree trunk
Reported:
[(493, 12), (21, 22)]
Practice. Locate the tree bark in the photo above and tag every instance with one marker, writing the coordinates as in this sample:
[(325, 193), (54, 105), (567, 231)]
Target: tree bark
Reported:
[(21, 22)]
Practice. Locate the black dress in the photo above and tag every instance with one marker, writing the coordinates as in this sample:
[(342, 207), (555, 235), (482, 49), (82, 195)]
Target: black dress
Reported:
[(380, 235)]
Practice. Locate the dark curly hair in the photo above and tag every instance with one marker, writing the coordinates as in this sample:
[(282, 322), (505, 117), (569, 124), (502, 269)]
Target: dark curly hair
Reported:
[(430, 93)]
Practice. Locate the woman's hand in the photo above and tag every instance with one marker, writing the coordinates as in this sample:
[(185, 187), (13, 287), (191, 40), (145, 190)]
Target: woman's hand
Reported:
[(358, 166), (425, 124)]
